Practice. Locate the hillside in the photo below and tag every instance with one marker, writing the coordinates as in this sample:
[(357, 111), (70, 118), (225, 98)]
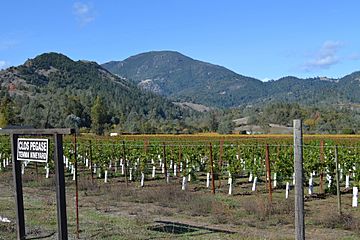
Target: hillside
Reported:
[(184, 79), (350, 86), (52, 90)]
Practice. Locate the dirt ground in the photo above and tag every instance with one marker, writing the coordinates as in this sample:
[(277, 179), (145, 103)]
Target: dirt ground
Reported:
[(162, 210)]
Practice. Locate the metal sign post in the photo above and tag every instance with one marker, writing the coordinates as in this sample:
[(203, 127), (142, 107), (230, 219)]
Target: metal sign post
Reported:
[(38, 154)]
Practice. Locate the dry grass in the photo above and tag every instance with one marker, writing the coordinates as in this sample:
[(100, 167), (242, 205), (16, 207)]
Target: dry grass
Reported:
[(169, 200), (88, 185), (263, 209), (33, 181), (344, 221), (7, 228), (167, 196)]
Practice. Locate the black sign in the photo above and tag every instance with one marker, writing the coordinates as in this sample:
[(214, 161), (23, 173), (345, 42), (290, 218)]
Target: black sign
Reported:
[(33, 150)]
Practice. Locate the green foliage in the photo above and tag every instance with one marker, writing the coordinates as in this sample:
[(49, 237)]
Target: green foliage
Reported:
[(98, 116), (7, 114), (226, 126), (282, 113), (237, 156)]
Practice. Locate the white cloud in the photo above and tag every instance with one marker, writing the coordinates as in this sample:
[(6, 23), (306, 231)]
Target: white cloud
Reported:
[(354, 57), (3, 64), (84, 13), (325, 57)]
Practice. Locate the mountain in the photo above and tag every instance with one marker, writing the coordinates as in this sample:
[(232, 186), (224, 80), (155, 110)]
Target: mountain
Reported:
[(350, 85), (52, 90), (183, 79)]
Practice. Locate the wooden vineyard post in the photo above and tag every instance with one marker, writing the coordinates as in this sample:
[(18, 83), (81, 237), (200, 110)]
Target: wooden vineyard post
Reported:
[(146, 144), (180, 159), (164, 158), (76, 188), (124, 162), (299, 190), (114, 153), (337, 181), (172, 157), (91, 162), (220, 160), (212, 171), (268, 172), (321, 166)]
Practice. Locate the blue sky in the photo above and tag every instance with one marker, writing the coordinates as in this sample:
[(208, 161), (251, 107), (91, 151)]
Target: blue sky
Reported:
[(263, 39)]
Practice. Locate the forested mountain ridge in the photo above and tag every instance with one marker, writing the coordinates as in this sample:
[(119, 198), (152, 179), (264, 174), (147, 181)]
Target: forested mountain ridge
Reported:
[(187, 80), (52, 90), (350, 85)]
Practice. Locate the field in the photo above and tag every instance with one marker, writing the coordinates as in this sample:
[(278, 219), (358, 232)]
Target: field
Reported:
[(161, 187)]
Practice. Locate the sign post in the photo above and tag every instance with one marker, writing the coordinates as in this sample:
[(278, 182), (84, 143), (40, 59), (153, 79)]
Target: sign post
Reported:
[(20, 219), (28, 149)]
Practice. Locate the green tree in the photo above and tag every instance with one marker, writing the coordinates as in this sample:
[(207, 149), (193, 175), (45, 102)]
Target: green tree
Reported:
[(213, 122), (226, 126), (6, 112), (98, 116)]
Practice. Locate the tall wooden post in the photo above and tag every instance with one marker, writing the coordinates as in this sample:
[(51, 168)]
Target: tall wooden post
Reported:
[(220, 161), (20, 219), (179, 160), (268, 172), (125, 164), (299, 190), (76, 187), (212, 171), (91, 162), (322, 166), (164, 158), (337, 181), (60, 188)]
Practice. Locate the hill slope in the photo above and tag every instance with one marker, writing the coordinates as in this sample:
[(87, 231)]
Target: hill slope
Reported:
[(52, 90), (181, 78), (187, 80)]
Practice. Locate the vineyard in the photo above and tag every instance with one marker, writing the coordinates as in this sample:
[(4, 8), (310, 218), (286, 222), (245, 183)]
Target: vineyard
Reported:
[(224, 169)]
